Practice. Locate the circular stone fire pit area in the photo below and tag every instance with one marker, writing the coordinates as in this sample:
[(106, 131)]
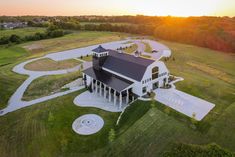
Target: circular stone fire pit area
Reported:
[(88, 124)]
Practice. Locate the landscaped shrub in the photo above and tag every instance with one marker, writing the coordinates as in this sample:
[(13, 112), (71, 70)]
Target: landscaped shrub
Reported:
[(189, 150)]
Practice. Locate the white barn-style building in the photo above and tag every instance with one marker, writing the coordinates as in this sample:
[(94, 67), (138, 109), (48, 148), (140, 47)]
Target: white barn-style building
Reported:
[(120, 78)]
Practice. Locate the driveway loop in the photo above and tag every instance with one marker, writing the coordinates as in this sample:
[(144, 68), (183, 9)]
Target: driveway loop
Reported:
[(88, 124)]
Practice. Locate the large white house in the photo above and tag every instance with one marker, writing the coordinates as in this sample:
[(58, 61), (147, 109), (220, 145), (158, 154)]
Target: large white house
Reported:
[(122, 77)]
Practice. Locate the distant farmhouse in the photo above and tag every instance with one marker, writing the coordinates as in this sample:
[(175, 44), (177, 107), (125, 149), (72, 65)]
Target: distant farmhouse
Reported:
[(116, 75)]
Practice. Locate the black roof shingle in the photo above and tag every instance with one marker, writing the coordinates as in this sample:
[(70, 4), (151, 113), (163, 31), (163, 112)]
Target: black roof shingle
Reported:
[(99, 49), (127, 65), (113, 81)]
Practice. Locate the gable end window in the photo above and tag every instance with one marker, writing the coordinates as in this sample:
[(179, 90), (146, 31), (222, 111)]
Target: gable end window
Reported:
[(155, 73)]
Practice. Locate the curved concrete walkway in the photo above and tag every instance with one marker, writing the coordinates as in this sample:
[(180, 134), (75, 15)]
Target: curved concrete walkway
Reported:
[(162, 50), (15, 101)]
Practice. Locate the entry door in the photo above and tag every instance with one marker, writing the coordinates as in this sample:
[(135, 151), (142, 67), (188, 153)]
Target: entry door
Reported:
[(155, 85)]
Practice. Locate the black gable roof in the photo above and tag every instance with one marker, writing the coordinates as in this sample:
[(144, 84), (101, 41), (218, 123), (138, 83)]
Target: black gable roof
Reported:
[(127, 65), (109, 79), (99, 49)]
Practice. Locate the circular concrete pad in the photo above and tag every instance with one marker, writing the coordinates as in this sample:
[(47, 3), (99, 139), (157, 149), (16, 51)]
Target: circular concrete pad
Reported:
[(88, 124)]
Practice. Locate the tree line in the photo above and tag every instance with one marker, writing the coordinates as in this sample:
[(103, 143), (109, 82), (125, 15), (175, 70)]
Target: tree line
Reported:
[(51, 32), (217, 33)]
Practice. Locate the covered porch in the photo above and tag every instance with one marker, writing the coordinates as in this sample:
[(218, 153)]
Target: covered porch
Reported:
[(113, 89)]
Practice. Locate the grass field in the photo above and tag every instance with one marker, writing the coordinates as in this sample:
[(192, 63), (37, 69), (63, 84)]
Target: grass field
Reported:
[(47, 85), (148, 48), (48, 64), (86, 58), (131, 49), (11, 54), (22, 32), (45, 129), (71, 41)]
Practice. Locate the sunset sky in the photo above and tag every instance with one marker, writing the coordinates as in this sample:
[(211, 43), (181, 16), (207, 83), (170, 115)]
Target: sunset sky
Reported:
[(118, 7)]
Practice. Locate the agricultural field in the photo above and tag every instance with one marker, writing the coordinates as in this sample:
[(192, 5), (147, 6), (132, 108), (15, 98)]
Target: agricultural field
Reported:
[(146, 128)]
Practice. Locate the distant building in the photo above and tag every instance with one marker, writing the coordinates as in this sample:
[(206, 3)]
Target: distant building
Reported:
[(116, 75), (12, 25)]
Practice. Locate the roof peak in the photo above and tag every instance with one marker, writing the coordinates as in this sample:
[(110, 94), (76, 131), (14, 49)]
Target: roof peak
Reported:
[(99, 49)]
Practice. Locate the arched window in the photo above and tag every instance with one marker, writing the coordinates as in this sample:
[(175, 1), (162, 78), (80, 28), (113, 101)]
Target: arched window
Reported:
[(155, 73)]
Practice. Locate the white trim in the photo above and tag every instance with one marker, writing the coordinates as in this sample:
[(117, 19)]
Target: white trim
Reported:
[(128, 78)]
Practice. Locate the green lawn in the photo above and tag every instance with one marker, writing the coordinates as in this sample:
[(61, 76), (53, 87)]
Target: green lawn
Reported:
[(86, 58), (131, 49), (47, 85), (10, 54), (45, 129), (148, 48), (47, 64), (22, 32), (9, 82)]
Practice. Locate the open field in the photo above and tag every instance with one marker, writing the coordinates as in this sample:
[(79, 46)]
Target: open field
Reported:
[(48, 64), (45, 129), (22, 32), (71, 41), (11, 54)]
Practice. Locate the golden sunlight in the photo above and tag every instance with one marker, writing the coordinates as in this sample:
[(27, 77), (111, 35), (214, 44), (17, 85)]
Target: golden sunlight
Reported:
[(174, 7)]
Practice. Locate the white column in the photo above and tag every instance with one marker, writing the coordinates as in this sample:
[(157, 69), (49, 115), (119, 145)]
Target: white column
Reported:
[(110, 94), (133, 98), (96, 86), (120, 100), (100, 89), (127, 96), (104, 91), (115, 98), (92, 85)]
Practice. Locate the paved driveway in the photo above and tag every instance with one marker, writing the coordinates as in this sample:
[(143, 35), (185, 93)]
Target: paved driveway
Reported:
[(184, 103)]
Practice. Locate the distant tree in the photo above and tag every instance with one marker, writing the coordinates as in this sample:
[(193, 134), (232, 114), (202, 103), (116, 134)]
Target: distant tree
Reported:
[(15, 39)]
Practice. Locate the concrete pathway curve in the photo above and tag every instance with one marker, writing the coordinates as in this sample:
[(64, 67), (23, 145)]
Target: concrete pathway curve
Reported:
[(15, 102)]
